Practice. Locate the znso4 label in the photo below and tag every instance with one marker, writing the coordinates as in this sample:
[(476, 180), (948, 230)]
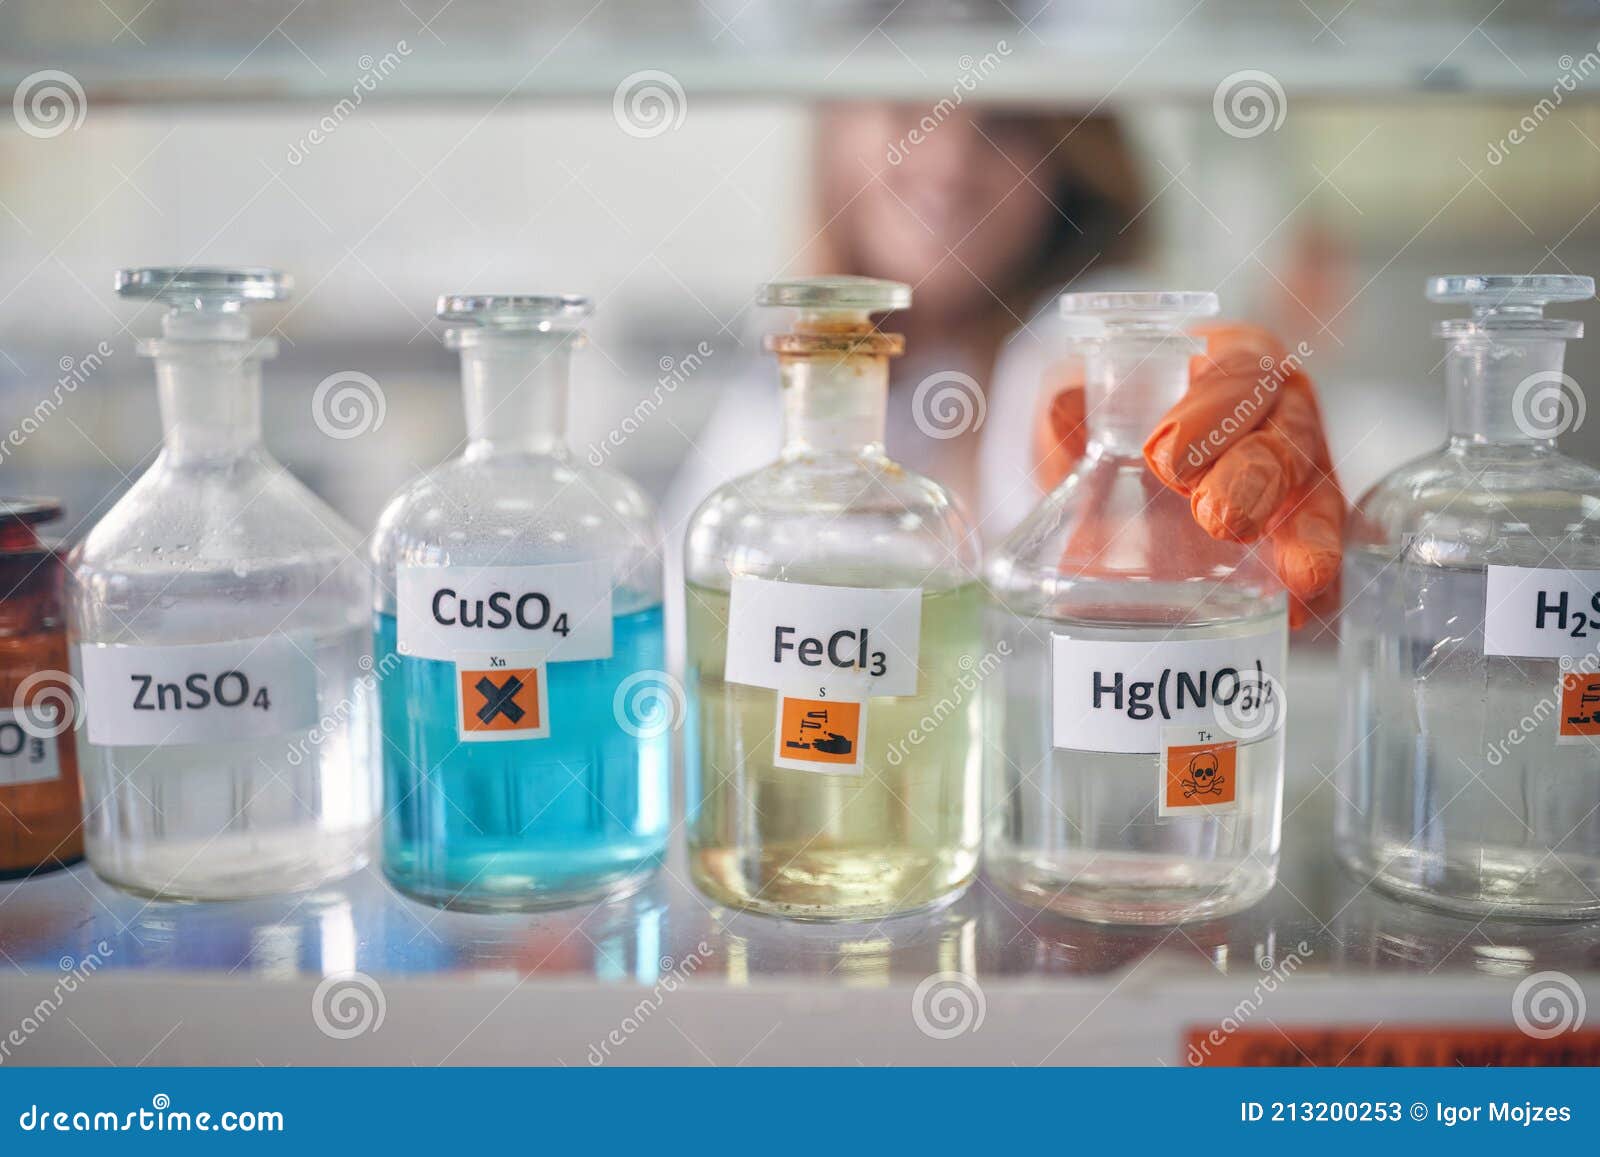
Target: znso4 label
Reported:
[(826, 651), (500, 626), (1191, 703), (159, 696)]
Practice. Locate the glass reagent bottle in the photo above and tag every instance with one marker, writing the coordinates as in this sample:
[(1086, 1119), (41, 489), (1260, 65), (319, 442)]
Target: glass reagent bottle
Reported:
[(526, 714), (1470, 639), (218, 612), (833, 626), (1135, 765)]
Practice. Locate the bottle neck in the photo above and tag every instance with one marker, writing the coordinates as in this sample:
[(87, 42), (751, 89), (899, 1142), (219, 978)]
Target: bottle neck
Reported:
[(834, 405), (515, 391), (1492, 401), (210, 404), (1127, 390)]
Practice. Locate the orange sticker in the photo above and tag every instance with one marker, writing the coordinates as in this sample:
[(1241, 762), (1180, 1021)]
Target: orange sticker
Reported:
[(1198, 770), (820, 735), (1580, 708), (1395, 1046), (501, 698)]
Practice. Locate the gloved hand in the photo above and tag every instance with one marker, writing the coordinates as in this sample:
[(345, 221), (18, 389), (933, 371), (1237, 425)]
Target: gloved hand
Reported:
[(1251, 458)]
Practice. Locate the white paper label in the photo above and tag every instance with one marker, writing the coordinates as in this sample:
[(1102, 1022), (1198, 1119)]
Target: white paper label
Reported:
[(561, 611), (1541, 613), (804, 639), (25, 758), (1118, 696), (154, 696)]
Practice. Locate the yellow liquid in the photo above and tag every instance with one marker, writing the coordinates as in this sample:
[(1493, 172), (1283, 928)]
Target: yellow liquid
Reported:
[(902, 835)]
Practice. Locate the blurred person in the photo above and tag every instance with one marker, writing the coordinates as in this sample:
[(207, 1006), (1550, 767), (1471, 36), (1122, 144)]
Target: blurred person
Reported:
[(987, 216)]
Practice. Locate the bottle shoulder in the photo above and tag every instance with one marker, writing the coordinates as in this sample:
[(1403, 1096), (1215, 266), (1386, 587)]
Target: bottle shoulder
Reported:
[(248, 512), (521, 510), (1472, 505), (467, 510), (844, 521), (1112, 543)]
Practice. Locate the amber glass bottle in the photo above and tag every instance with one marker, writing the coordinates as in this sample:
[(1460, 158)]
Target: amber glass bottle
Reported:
[(41, 824)]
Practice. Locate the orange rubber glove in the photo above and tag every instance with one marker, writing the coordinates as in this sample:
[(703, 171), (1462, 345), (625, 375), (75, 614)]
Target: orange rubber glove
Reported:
[(1245, 445)]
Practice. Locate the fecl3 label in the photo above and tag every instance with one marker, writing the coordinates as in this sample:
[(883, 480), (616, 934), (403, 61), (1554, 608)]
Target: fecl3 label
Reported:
[(146, 696), (1118, 696), (1541, 613), (802, 638), (561, 610)]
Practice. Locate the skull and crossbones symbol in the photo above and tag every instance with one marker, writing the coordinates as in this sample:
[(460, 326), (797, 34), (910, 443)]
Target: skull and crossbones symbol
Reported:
[(1202, 776)]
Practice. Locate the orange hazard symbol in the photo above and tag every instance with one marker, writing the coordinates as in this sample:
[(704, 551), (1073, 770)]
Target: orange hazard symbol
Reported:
[(820, 731), (1580, 705), (501, 700), (1201, 774)]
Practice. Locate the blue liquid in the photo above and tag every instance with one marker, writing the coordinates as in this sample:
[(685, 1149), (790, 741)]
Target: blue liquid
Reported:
[(528, 823)]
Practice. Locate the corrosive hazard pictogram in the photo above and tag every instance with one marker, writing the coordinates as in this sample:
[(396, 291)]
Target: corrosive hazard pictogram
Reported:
[(820, 735), (501, 697), (1580, 708)]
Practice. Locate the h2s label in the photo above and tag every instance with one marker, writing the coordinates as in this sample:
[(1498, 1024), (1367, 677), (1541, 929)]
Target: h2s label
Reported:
[(1541, 612)]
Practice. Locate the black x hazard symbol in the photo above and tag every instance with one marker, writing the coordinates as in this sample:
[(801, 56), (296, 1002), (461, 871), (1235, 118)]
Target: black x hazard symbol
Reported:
[(501, 702)]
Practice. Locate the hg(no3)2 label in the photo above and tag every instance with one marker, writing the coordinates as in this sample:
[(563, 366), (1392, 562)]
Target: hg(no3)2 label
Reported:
[(1119, 695)]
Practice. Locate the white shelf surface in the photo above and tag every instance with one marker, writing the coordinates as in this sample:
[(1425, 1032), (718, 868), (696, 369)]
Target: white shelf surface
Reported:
[(684, 982)]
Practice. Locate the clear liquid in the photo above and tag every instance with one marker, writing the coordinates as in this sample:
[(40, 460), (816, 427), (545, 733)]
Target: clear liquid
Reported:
[(902, 835), (1455, 790), (1078, 831), (579, 814), (223, 821)]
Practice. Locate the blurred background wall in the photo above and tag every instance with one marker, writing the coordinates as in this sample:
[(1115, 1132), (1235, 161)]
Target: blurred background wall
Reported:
[(493, 147)]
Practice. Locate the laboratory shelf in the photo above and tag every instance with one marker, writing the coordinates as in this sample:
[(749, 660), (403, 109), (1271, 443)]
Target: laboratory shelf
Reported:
[(666, 977), (1061, 51)]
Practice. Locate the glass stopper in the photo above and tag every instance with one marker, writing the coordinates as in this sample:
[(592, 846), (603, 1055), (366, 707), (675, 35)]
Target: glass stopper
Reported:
[(1509, 304)]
